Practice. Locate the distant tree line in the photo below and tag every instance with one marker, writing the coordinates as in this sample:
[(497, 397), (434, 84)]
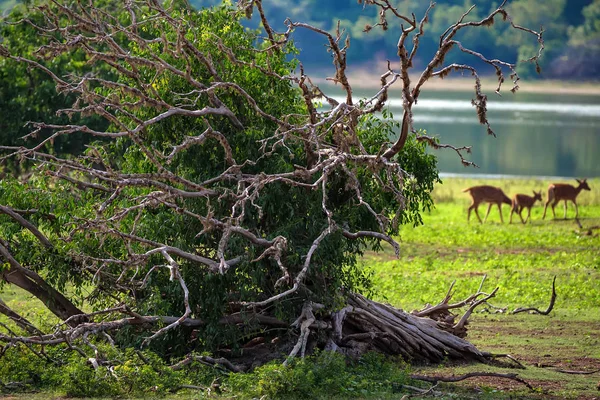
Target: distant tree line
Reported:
[(572, 31)]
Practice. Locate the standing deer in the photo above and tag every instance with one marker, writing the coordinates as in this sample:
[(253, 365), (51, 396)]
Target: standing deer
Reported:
[(563, 191), (486, 194), (521, 201)]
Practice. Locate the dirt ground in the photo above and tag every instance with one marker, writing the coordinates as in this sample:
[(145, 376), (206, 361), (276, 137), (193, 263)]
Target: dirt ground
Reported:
[(561, 359)]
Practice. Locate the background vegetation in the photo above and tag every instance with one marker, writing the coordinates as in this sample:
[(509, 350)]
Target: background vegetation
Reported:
[(572, 27), (572, 37)]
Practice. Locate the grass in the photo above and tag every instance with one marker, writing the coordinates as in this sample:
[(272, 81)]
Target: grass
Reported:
[(519, 259)]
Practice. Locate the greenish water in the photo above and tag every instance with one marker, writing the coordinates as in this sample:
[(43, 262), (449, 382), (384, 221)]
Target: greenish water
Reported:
[(536, 134)]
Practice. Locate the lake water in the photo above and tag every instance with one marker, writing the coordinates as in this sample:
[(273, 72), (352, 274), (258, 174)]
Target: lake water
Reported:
[(536, 134)]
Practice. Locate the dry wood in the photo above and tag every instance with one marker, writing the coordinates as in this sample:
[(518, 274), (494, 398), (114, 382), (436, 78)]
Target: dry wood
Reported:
[(206, 360), (511, 358)]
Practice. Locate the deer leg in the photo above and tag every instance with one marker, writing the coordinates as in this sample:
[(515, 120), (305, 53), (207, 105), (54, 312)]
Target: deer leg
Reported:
[(488, 212), (550, 198), (554, 205), (528, 216), (477, 213), (521, 214), (512, 210), (500, 211), (576, 210), (565, 209), (545, 208)]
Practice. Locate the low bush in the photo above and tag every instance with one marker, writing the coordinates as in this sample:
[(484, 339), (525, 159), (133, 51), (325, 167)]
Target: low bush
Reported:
[(137, 374)]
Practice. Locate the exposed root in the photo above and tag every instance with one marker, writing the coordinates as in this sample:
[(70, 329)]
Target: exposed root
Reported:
[(436, 379), (427, 336), (534, 310), (568, 371)]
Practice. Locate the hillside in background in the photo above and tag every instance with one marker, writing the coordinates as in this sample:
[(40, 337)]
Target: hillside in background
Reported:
[(572, 32)]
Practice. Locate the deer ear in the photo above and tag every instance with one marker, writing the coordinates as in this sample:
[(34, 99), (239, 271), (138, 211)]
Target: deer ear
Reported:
[(578, 181)]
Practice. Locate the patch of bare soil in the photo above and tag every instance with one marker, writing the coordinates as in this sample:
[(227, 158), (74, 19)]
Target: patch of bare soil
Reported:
[(543, 388), (555, 355), (582, 364)]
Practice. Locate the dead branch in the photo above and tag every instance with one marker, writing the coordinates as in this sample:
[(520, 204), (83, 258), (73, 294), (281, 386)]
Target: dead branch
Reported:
[(511, 358), (422, 392), (586, 231), (306, 319), (221, 363), (534, 310)]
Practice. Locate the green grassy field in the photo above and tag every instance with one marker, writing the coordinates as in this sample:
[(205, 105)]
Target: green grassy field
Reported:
[(521, 260)]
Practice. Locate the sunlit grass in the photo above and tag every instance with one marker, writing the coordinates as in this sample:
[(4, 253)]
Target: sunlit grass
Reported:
[(521, 260)]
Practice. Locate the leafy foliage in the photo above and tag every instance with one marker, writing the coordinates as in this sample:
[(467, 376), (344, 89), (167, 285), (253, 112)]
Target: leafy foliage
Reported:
[(28, 95), (109, 257), (321, 376)]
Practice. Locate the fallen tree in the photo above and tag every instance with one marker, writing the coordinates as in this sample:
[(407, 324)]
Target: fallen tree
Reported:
[(230, 197)]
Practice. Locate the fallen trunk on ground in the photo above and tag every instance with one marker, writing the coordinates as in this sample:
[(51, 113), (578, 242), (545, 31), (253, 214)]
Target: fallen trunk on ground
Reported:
[(363, 325)]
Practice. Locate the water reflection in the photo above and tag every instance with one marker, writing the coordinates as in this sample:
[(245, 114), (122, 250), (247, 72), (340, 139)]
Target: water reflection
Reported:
[(453, 105), (537, 134)]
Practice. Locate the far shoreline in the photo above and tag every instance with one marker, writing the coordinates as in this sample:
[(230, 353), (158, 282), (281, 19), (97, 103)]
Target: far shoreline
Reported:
[(363, 79)]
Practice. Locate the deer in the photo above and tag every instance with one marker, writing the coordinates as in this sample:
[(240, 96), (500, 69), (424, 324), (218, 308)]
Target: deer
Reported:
[(564, 191), (521, 201), (486, 194)]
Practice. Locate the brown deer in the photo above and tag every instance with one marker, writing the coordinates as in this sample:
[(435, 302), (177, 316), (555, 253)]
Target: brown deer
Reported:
[(486, 194), (521, 201), (563, 191)]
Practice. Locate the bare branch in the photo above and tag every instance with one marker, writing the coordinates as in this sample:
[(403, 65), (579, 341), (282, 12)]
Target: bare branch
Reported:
[(534, 310)]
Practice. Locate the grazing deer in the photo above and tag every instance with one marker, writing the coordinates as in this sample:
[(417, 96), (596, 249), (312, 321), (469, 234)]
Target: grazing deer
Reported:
[(563, 191), (486, 194), (521, 201)]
